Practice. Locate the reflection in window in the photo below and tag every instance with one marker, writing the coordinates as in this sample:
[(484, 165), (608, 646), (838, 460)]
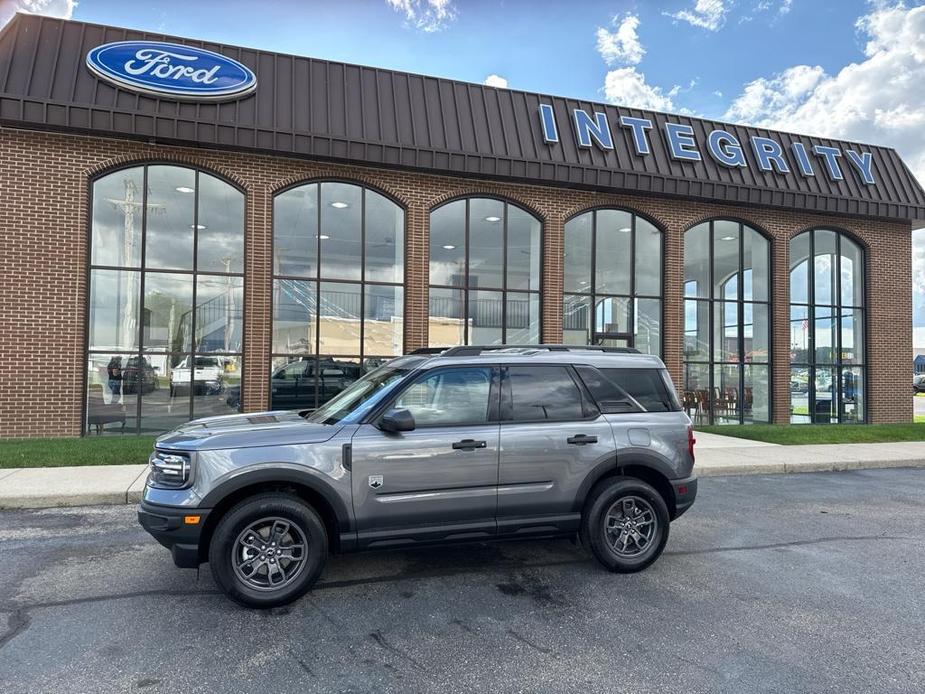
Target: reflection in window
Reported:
[(726, 324), (484, 274), (612, 281), (166, 299), (449, 397), (826, 328), (338, 301)]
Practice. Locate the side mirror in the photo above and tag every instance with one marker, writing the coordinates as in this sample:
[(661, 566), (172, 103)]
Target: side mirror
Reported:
[(395, 421)]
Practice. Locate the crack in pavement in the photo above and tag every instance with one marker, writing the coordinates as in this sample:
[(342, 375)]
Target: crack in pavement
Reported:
[(779, 545)]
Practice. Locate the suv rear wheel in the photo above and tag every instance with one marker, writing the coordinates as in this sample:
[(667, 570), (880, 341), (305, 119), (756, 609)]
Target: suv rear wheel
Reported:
[(268, 550), (625, 524)]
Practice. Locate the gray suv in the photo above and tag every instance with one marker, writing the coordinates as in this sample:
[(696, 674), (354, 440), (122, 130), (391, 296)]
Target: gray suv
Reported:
[(467, 444)]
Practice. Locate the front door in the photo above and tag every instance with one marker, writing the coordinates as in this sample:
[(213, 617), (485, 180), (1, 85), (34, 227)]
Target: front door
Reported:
[(439, 481), (552, 436)]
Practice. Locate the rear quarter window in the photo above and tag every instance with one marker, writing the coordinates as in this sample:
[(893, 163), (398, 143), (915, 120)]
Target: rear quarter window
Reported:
[(629, 390)]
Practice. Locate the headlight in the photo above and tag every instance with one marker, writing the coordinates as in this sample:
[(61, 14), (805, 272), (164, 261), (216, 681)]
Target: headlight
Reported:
[(169, 470)]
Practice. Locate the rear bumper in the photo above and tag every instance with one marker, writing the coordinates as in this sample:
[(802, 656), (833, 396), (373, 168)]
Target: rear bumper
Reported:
[(685, 491), (167, 525)]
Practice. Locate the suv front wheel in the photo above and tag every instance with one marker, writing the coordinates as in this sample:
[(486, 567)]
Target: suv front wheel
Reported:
[(268, 550), (625, 524)]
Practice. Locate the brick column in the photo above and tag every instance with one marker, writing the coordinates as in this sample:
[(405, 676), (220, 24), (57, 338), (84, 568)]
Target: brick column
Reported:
[(553, 243), (780, 328), (258, 303), (673, 322), (417, 273), (889, 326)]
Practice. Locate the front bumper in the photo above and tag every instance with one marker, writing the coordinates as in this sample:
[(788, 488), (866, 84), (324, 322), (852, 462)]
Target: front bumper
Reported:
[(167, 525), (685, 491)]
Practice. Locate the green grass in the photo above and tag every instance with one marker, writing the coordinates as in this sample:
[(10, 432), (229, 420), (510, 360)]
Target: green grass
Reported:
[(792, 434), (90, 450)]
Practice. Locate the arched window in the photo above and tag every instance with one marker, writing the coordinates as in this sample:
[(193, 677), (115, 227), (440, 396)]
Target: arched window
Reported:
[(826, 328), (338, 301), (484, 274), (612, 281), (166, 298), (726, 324)]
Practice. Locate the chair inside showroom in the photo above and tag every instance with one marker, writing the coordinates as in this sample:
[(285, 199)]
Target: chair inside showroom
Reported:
[(100, 413)]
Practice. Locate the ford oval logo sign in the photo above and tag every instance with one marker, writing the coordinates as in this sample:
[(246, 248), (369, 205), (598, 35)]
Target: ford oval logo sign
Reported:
[(168, 69)]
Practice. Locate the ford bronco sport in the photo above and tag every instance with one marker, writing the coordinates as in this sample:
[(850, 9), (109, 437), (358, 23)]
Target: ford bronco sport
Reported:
[(467, 444)]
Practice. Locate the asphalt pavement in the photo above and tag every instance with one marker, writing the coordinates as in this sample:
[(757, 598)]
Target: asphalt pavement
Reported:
[(777, 583)]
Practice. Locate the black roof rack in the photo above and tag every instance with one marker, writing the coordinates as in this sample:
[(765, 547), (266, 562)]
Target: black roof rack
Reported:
[(475, 350)]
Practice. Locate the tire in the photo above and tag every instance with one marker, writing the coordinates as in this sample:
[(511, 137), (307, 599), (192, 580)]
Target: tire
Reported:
[(254, 524), (616, 498)]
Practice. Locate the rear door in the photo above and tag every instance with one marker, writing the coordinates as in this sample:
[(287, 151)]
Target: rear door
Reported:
[(439, 481), (552, 437)]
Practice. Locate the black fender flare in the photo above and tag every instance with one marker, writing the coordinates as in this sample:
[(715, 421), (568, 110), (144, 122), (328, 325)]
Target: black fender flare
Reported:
[(625, 458), (283, 473)]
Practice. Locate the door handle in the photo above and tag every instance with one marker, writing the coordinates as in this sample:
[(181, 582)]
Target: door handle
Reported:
[(468, 445), (581, 439)]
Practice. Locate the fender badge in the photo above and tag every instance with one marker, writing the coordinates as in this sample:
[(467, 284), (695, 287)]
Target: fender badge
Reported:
[(375, 481)]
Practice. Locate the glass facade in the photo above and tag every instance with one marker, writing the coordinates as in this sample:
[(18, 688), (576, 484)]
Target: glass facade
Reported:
[(827, 374), (338, 295), (726, 324), (612, 281), (484, 274), (166, 299)]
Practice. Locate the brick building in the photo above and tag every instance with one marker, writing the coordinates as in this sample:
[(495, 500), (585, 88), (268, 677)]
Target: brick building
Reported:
[(169, 254)]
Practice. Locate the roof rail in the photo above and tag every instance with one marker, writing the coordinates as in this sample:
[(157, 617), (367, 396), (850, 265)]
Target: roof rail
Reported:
[(475, 350), (429, 350)]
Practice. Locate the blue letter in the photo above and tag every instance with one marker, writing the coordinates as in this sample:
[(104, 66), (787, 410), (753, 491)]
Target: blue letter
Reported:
[(863, 163), (681, 142), (799, 153), (548, 121), (638, 126), (587, 128), (731, 154), (767, 151), (830, 154)]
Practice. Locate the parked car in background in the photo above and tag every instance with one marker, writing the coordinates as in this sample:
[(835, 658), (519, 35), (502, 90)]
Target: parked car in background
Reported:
[(918, 383), (303, 384), (472, 443), (138, 376), (206, 379)]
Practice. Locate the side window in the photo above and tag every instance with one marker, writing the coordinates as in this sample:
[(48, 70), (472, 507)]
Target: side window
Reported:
[(449, 397), (292, 371), (625, 390), (544, 392)]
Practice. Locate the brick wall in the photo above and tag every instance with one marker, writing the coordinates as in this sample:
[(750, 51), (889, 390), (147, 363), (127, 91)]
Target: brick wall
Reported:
[(44, 183)]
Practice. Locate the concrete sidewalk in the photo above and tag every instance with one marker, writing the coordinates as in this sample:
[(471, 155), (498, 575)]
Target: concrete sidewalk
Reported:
[(89, 485), (716, 455)]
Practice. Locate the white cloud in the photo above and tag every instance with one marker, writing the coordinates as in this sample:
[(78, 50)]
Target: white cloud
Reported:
[(706, 14), (627, 86), (426, 15), (496, 81), (621, 45), (52, 8), (878, 99)]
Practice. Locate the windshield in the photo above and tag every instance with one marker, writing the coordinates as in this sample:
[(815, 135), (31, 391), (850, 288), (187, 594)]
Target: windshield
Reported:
[(363, 393)]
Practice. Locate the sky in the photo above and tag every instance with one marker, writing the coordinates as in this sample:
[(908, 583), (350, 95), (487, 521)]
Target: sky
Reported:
[(851, 69)]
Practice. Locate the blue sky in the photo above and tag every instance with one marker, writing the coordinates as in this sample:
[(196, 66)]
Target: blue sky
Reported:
[(843, 68)]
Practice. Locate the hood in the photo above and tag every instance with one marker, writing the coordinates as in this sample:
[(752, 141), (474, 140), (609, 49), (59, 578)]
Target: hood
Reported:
[(278, 428)]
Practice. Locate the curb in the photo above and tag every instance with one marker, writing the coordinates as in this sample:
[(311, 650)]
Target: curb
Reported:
[(808, 466), (92, 485), (118, 493)]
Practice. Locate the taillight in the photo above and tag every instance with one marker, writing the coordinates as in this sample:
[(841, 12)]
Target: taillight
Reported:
[(690, 441)]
